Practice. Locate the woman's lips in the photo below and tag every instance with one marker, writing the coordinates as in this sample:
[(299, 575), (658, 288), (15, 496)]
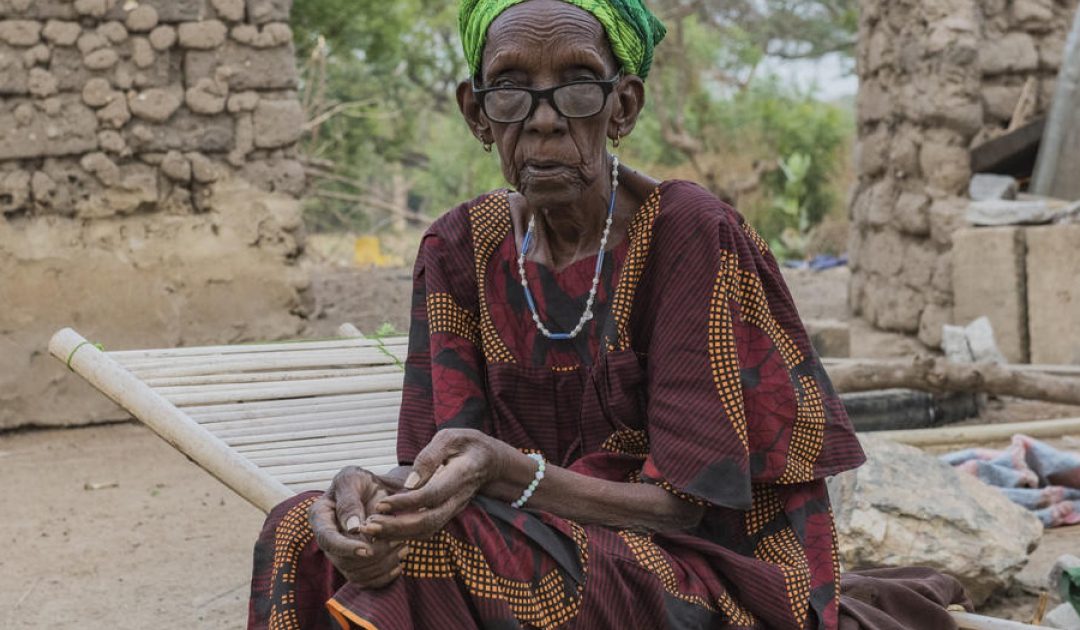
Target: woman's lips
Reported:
[(546, 169)]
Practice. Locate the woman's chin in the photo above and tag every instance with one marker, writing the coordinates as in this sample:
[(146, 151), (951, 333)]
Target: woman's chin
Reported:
[(548, 191)]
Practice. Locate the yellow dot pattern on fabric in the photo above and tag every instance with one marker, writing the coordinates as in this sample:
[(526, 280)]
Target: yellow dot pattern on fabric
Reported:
[(490, 223), (736, 614), (835, 554), (755, 310), (292, 534), (765, 509), (545, 604), (784, 551), (565, 368), (762, 246), (446, 316), (649, 555), (723, 352), (628, 442), (808, 434), (640, 236)]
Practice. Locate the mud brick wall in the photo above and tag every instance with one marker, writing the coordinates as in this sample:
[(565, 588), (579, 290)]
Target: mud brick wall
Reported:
[(936, 78), (148, 184)]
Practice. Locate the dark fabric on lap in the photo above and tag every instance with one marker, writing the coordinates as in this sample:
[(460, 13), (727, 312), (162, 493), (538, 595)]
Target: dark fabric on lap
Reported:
[(899, 599)]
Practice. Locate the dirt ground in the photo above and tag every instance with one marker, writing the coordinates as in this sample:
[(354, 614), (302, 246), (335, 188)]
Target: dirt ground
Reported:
[(109, 527)]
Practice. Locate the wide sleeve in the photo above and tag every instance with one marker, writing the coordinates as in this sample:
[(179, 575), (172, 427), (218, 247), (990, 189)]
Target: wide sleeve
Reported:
[(736, 394), (444, 370)]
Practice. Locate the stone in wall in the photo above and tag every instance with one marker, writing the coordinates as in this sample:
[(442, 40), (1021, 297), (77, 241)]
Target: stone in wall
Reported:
[(183, 131), (35, 129)]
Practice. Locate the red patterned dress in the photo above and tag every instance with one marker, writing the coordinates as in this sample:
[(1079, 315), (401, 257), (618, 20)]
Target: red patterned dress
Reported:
[(696, 375)]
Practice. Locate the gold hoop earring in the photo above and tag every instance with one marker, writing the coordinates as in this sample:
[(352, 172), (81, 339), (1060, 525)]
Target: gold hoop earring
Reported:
[(615, 142)]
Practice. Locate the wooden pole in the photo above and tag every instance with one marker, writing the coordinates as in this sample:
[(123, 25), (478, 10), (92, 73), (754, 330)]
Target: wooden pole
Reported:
[(969, 621), (979, 433), (171, 424), (937, 374), (1059, 154)]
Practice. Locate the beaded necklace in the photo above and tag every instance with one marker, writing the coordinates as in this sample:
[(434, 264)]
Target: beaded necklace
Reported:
[(588, 314)]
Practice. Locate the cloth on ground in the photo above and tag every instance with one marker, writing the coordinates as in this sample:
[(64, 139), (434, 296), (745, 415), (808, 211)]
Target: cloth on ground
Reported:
[(1031, 473), (899, 599)]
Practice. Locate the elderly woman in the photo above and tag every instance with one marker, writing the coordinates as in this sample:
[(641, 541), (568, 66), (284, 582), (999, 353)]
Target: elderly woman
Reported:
[(612, 416)]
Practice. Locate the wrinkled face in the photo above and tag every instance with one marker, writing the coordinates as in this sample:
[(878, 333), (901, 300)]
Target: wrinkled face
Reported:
[(550, 159)]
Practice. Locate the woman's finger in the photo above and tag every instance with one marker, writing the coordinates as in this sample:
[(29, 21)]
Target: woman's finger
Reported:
[(442, 485), (351, 485), (323, 518), (428, 460), (422, 524)]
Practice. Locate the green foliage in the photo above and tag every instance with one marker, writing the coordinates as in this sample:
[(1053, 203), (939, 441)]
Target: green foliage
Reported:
[(379, 79)]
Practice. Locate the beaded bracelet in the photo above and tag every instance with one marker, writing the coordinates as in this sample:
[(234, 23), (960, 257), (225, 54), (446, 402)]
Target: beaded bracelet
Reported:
[(525, 496)]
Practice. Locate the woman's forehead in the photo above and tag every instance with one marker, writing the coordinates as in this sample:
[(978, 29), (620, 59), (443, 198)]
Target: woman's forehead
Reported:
[(538, 31)]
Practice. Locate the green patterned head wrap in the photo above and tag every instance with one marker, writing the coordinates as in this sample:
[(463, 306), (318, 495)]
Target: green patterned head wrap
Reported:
[(632, 29)]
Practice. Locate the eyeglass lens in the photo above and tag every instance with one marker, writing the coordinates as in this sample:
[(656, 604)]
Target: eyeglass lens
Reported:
[(572, 101)]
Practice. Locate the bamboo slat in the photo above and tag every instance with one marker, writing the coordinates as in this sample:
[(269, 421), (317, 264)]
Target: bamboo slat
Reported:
[(269, 377), (153, 368), (370, 433), (387, 406), (325, 454), (257, 448), (121, 356), (969, 621), (335, 419), (300, 404), (299, 389), (326, 474), (327, 466)]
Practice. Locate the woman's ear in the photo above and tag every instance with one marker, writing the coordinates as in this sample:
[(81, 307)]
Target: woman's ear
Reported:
[(473, 114), (629, 98)]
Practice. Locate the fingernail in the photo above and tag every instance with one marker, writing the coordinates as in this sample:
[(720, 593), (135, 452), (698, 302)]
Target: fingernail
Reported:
[(382, 508), (411, 481), (363, 552), (352, 524), (403, 553)]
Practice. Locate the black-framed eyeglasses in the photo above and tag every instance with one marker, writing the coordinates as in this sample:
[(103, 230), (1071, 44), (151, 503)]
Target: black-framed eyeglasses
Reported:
[(577, 99)]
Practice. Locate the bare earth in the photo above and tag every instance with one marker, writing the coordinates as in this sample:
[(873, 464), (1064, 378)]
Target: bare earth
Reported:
[(160, 543)]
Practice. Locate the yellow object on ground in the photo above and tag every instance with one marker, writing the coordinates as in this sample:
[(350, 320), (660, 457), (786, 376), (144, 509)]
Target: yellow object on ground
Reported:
[(368, 253)]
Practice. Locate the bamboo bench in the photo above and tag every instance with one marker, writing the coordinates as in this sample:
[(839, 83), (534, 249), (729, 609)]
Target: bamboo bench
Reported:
[(270, 420)]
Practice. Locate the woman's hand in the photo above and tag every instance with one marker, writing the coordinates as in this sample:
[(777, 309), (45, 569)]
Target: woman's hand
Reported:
[(446, 475), (336, 518)]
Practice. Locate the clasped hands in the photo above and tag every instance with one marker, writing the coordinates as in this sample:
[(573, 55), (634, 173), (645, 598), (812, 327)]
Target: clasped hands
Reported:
[(364, 521)]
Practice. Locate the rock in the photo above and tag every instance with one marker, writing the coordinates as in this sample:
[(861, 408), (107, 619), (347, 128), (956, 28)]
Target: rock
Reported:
[(955, 345), (980, 338), (245, 140), (163, 38), (1053, 293), (911, 216), (185, 132), (283, 176), (946, 167), (989, 280), (114, 32), (1015, 52), (204, 35), (1064, 617), (271, 35), (14, 192), (229, 10), (116, 114), (176, 167), (243, 102), (207, 97), (89, 42), (39, 54), (263, 11), (142, 19), (1033, 15), (985, 186), (932, 322), (23, 33), (278, 123), (142, 53), (1025, 212), (946, 217), (156, 105), (104, 169), (907, 508), (62, 33), (112, 142), (101, 59), (203, 168), (41, 83), (94, 8)]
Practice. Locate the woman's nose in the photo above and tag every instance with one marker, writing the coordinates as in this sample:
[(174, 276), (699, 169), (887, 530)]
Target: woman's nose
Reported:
[(545, 119)]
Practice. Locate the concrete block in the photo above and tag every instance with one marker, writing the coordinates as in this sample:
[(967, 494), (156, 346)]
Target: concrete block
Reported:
[(185, 131), (989, 280), (830, 337), (1053, 290)]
